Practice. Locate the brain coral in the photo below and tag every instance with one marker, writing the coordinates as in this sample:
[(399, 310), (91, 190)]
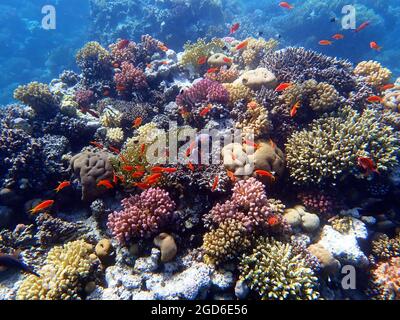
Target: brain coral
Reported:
[(329, 149), (274, 271), (142, 215), (90, 168), (62, 276), (373, 72)]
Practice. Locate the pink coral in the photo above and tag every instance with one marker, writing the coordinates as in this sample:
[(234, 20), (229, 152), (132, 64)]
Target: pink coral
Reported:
[(204, 90), (142, 216), (248, 205), (130, 78), (385, 281), (123, 51), (319, 202)]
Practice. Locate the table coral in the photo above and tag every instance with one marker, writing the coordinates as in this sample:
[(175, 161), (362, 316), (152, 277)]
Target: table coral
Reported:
[(330, 148), (142, 215), (374, 73), (62, 276), (273, 271)]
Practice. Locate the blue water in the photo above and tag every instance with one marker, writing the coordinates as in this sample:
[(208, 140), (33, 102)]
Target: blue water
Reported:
[(28, 52)]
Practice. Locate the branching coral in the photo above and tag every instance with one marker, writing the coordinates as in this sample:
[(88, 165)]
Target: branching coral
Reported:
[(256, 49), (330, 148), (254, 121), (383, 248), (115, 135), (238, 92), (37, 96), (130, 79), (274, 271), (226, 242), (91, 53), (224, 75), (142, 216), (373, 72), (385, 280), (123, 51), (63, 275)]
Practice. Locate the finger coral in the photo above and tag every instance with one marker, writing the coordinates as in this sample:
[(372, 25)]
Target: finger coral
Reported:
[(63, 275), (142, 216), (37, 96), (373, 72), (274, 271), (329, 149)]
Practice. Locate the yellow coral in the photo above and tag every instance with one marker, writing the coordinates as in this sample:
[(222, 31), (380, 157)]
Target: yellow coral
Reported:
[(115, 135), (238, 92), (194, 51), (254, 47), (36, 95), (93, 50), (62, 277), (254, 121), (373, 72)]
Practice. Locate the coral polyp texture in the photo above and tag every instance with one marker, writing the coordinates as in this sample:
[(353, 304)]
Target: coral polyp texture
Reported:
[(195, 150)]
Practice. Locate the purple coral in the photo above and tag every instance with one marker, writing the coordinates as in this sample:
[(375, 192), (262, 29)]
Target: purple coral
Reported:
[(130, 78), (248, 205), (142, 216), (204, 90), (84, 98), (319, 202)]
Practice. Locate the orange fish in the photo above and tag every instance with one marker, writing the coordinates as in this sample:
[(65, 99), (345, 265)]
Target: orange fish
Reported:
[(62, 185), (294, 109), (215, 184), (387, 87), (153, 177), (374, 99), (231, 176), (122, 44), (137, 122), (138, 174), (127, 168), (157, 169), (142, 185), (190, 149), (325, 43), (252, 105), (272, 220), (285, 5), (123, 158), (97, 144), (190, 166), (212, 70), (227, 60), (242, 45), (374, 45), (362, 26), (170, 170), (252, 144), (164, 62), (105, 183), (265, 173), (114, 149), (142, 149), (163, 47), (283, 86), (120, 88), (202, 60), (115, 65), (205, 110), (338, 36), (42, 206), (115, 179), (234, 28), (367, 164)]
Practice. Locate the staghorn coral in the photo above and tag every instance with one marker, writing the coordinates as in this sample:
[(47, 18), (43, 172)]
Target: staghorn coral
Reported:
[(373, 72), (274, 271), (63, 275), (142, 215), (329, 149), (385, 280), (38, 97), (194, 51), (226, 242), (298, 65), (256, 49), (90, 168)]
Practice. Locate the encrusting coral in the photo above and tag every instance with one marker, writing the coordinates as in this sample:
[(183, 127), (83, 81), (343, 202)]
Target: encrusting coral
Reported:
[(329, 149), (63, 275), (274, 271)]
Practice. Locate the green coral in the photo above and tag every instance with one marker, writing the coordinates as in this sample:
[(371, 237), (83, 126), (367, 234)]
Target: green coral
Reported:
[(194, 51), (329, 149), (63, 275), (36, 95), (275, 271)]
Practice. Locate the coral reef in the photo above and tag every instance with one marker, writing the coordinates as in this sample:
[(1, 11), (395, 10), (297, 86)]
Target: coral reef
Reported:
[(373, 72)]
